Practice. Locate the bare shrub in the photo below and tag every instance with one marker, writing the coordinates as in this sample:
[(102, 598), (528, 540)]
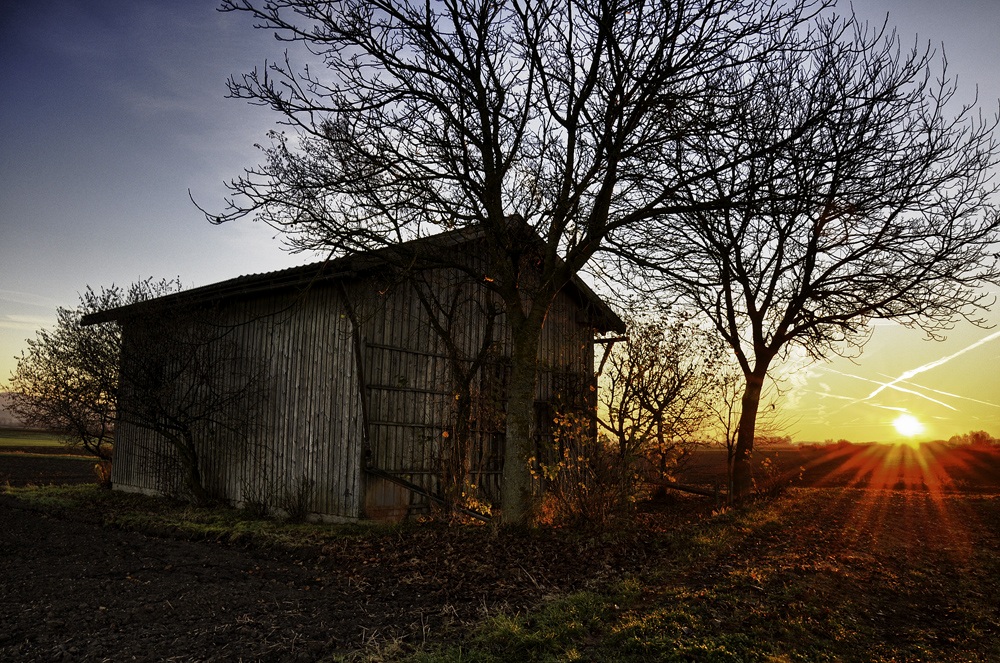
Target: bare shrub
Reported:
[(659, 392), (770, 480), (295, 500), (258, 496), (586, 479)]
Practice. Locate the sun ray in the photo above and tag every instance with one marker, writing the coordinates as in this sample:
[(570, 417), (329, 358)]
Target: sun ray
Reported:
[(894, 496)]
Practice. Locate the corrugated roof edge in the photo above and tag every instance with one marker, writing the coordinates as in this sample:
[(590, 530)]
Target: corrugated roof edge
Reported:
[(327, 270)]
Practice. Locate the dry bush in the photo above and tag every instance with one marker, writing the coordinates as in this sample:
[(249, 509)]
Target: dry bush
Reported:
[(258, 497), (102, 470), (296, 498), (585, 479), (770, 480)]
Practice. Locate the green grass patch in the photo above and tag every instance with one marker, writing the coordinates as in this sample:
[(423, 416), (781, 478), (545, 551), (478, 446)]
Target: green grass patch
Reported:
[(13, 437), (563, 629), (73, 496), (160, 516)]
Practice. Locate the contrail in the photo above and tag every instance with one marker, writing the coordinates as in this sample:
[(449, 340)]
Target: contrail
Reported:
[(839, 397), (945, 393), (888, 407), (934, 364), (826, 394), (887, 385)]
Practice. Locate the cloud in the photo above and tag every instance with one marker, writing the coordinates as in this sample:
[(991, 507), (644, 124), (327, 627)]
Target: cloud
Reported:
[(794, 376), (24, 322), (28, 299)]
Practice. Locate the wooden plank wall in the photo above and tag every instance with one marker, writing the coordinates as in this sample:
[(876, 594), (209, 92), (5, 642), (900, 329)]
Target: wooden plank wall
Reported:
[(411, 394), (308, 428)]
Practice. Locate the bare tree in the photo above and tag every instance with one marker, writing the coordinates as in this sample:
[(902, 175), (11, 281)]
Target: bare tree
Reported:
[(566, 115), (659, 390), (879, 207), (67, 380)]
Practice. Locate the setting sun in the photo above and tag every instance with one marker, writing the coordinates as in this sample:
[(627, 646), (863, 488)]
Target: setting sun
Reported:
[(907, 425)]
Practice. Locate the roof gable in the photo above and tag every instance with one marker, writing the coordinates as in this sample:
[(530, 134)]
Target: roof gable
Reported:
[(351, 267)]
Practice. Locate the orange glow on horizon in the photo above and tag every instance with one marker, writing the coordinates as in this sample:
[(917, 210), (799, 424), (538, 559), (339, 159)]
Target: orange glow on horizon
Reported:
[(931, 467)]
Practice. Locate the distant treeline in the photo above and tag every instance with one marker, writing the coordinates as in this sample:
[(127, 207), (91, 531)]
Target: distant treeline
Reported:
[(7, 417), (976, 438)]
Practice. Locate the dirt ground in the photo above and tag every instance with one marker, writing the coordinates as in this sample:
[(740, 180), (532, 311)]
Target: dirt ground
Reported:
[(74, 590), (44, 465)]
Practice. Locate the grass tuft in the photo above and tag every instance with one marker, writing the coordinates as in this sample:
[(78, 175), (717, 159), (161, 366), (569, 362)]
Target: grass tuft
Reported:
[(159, 516)]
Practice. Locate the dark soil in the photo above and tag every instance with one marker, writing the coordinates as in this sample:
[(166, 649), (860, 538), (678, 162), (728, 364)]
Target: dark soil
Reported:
[(73, 589), (43, 466)]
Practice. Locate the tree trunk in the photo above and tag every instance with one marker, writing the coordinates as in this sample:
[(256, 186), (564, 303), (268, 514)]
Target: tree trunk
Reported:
[(189, 456), (742, 481), (455, 458), (519, 444)]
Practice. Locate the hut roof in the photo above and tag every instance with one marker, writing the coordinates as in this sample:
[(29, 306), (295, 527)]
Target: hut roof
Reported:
[(347, 267)]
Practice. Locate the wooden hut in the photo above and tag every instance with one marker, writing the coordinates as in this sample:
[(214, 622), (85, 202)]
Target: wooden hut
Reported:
[(357, 415)]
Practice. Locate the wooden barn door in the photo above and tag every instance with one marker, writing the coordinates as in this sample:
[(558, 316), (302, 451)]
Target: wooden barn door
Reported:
[(411, 427)]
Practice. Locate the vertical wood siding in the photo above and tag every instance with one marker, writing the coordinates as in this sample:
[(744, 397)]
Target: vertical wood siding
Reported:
[(411, 393), (307, 429), (310, 426)]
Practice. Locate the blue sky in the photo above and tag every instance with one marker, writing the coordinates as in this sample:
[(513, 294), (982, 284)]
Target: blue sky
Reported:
[(113, 110)]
